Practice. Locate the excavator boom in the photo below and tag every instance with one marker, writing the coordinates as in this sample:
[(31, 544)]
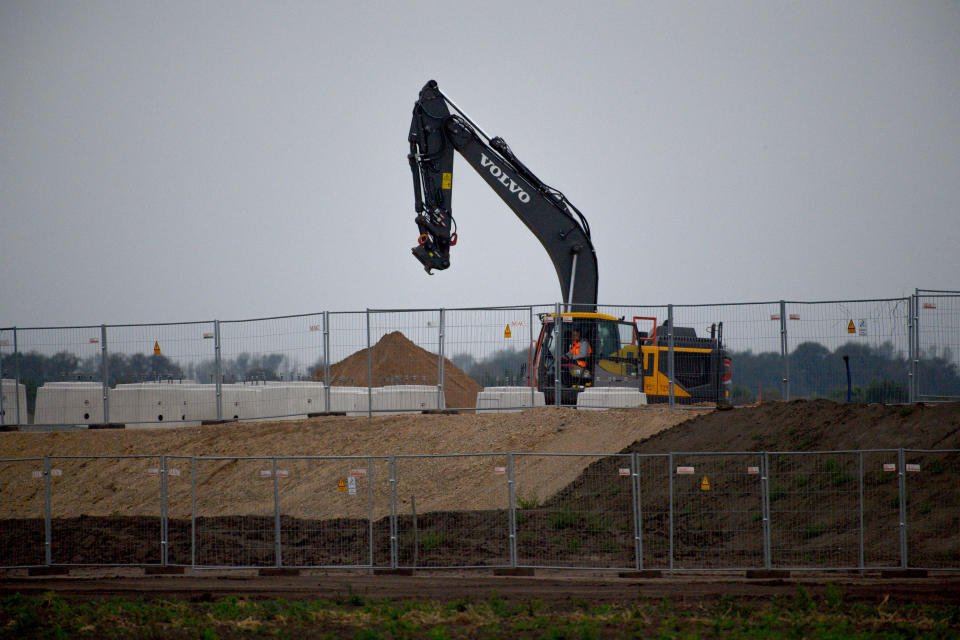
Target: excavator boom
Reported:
[(559, 226)]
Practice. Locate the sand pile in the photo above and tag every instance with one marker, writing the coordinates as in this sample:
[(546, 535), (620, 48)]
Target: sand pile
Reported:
[(397, 360)]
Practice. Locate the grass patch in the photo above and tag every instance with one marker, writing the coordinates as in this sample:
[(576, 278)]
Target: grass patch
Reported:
[(825, 614)]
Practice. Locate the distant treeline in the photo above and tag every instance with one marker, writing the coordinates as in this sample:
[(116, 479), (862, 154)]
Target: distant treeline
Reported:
[(35, 369), (877, 374)]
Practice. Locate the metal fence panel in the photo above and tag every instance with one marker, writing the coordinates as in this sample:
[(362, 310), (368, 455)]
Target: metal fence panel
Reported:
[(933, 517), (938, 340), (273, 367), (872, 334), (815, 510), (452, 511), (61, 370), (246, 535), (161, 374), (586, 523), (489, 349), (717, 511), (328, 511), (105, 510), (22, 531)]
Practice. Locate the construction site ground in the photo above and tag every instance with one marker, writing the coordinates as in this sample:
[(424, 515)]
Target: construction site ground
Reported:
[(791, 426)]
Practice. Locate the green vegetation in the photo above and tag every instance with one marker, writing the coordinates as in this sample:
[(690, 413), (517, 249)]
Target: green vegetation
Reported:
[(826, 616)]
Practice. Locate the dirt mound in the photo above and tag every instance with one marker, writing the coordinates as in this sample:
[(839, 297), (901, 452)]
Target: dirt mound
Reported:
[(813, 425), (397, 360)]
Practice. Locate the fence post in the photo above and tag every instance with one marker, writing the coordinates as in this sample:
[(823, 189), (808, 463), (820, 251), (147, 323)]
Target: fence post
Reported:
[(370, 500), (670, 359), (105, 373), (393, 512), (276, 516), (901, 486), (326, 361), (440, 364), (512, 510), (163, 510), (860, 489), (670, 485), (914, 333), (530, 363), (637, 512), (16, 374), (784, 353), (193, 511), (47, 534), (16, 387), (557, 354), (765, 509), (218, 368), (369, 371)]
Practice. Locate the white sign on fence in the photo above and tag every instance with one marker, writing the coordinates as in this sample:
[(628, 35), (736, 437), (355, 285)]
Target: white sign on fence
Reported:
[(685, 471)]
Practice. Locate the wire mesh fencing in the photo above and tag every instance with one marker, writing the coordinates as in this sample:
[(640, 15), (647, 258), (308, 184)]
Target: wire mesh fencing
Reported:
[(893, 350), (937, 348), (451, 511), (836, 510), (717, 511), (22, 520), (588, 523), (104, 510)]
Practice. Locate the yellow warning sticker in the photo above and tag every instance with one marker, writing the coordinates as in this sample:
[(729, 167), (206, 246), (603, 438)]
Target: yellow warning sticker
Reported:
[(341, 486), (704, 484), (156, 348), (447, 181), (851, 328), (506, 332)]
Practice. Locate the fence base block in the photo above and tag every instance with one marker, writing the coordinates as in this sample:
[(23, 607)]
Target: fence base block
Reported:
[(642, 573), (274, 572), (107, 425), (393, 572), (204, 423), (9, 427), (903, 573), (163, 571), (514, 571), (766, 574), (322, 414), (440, 412), (48, 571)]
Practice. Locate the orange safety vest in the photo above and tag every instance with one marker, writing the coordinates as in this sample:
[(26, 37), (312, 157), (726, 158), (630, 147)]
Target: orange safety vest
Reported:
[(575, 349)]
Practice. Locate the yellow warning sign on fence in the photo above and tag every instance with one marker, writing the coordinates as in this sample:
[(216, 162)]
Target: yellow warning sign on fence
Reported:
[(156, 348), (851, 328), (341, 486), (705, 484), (506, 332)]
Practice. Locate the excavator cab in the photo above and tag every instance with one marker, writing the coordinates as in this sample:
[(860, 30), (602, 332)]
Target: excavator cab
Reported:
[(631, 354)]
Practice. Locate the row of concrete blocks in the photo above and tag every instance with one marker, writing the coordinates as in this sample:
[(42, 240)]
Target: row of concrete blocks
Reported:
[(9, 391), (187, 404)]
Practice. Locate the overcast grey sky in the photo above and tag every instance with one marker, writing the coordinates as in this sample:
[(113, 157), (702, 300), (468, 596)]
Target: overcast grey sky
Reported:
[(198, 160)]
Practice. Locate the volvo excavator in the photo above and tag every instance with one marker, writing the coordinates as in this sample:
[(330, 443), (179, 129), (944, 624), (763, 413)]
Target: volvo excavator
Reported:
[(624, 353)]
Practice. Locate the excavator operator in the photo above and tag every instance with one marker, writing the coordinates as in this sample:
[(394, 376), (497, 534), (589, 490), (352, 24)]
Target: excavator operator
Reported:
[(579, 352)]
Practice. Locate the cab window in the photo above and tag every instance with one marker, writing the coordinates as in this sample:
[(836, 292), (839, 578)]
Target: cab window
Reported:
[(609, 338)]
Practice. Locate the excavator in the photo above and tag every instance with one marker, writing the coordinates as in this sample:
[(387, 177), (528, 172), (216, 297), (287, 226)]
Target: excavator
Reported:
[(623, 353)]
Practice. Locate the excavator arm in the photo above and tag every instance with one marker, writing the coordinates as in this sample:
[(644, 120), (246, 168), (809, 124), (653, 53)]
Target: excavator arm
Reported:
[(559, 226)]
